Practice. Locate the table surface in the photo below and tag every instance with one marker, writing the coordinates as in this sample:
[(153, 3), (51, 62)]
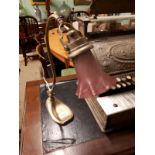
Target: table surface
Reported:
[(114, 143), (56, 47)]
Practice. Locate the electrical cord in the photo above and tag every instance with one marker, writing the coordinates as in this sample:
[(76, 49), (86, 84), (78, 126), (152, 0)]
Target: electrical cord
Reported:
[(50, 145)]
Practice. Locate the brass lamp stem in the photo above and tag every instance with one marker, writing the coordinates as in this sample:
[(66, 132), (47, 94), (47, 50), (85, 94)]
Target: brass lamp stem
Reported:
[(58, 111), (60, 22), (48, 51)]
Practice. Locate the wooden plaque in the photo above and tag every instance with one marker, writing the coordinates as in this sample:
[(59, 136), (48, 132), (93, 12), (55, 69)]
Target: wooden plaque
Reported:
[(39, 2)]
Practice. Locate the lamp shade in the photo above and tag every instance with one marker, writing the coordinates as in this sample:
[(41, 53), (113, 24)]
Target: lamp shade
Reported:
[(91, 80)]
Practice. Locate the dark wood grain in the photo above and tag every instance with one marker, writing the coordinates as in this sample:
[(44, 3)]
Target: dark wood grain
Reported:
[(31, 130), (114, 143), (31, 136), (112, 6)]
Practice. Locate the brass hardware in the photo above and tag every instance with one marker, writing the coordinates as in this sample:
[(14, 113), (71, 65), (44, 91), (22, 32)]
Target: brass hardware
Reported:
[(123, 84), (118, 79), (77, 46), (123, 79), (58, 111), (76, 42), (113, 87), (118, 85), (128, 83), (128, 77)]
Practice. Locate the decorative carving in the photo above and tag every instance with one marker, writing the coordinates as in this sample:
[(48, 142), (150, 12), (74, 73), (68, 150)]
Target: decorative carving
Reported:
[(115, 54), (123, 52)]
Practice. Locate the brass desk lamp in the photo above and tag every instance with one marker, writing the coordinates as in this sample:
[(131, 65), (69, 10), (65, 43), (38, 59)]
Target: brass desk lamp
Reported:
[(91, 80)]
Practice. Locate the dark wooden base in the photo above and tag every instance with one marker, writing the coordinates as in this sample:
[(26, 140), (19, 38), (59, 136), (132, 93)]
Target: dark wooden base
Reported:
[(119, 142)]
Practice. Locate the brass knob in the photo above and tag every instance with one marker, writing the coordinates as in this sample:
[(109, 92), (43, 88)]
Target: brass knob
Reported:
[(118, 79), (113, 87), (123, 79), (123, 84), (128, 83), (128, 77), (118, 86)]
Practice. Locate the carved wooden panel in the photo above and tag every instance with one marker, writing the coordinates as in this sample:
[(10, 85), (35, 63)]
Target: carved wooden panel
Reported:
[(115, 54)]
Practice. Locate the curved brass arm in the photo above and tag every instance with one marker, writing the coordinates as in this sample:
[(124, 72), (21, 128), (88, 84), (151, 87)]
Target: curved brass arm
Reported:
[(48, 51), (58, 111)]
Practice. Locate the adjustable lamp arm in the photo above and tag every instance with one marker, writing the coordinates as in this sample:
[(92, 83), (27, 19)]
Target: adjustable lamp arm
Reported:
[(48, 51)]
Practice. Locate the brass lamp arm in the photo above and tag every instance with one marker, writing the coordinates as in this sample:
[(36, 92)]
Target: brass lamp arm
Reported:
[(43, 76), (48, 51), (60, 23), (59, 112)]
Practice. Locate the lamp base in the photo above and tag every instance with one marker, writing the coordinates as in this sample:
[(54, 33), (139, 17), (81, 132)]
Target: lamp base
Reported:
[(58, 111)]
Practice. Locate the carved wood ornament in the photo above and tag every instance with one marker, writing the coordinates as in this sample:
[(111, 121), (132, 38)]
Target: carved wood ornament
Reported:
[(116, 56)]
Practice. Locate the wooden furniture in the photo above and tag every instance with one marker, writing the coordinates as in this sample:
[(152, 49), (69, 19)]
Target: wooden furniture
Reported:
[(105, 25), (28, 28), (43, 57), (100, 44), (57, 49), (41, 26), (112, 6), (74, 14), (114, 143), (44, 61), (108, 7)]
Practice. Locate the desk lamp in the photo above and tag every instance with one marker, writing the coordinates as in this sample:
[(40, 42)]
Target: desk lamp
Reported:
[(91, 80)]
